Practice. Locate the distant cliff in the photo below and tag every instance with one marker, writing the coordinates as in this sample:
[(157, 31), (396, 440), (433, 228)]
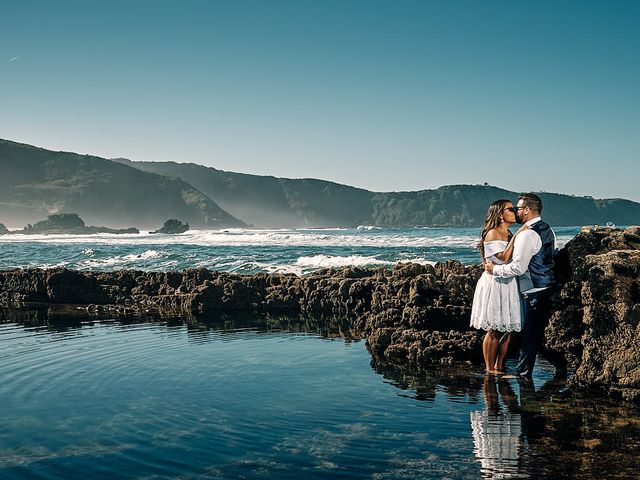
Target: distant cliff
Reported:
[(35, 182), (267, 201), (274, 202)]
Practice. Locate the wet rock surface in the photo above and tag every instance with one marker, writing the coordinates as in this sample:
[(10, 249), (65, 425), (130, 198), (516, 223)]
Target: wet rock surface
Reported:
[(594, 327), (413, 315)]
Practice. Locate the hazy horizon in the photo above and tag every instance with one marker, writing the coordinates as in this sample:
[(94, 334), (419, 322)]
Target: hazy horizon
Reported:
[(385, 96)]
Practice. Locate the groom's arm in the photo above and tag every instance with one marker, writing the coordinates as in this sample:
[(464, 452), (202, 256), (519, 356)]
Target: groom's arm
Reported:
[(526, 245)]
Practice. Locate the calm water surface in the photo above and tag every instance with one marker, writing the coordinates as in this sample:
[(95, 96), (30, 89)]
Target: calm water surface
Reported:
[(281, 398)]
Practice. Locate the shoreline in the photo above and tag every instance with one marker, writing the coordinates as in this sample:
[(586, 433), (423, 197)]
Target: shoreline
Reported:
[(412, 315)]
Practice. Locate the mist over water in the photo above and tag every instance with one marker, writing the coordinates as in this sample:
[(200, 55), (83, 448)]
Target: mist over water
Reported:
[(247, 251)]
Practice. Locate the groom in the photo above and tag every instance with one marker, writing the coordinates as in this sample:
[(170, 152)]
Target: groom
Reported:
[(532, 262)]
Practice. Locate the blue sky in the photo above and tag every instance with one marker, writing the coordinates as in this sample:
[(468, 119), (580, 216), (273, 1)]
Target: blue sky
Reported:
[(384, 95)]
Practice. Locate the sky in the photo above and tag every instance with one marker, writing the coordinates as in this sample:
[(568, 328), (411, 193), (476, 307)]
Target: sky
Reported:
[(384, 95)]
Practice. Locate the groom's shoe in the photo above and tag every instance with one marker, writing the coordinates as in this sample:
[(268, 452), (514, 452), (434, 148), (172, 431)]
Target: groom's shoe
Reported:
[(525, 381), (524, 372)]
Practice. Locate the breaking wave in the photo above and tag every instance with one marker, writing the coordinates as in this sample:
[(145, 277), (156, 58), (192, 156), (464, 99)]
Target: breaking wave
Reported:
[(246, 251)]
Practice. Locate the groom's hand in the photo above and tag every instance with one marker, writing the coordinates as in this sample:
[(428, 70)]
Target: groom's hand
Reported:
[(489, 267)]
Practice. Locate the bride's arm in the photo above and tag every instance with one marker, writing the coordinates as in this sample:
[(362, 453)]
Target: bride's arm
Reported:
[(506, 255)]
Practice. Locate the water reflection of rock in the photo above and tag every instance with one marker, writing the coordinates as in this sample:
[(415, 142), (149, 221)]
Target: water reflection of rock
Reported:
[(324, 327), (43, 315), (580, 437), (534, 435), (525, 431), (57, 317), (456, 382)]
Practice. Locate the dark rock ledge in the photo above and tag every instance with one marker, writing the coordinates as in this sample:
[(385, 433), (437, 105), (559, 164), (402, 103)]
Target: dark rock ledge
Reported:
[(413, 315)]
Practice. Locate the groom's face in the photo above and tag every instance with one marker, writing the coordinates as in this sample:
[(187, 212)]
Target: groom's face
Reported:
[(521, 211)]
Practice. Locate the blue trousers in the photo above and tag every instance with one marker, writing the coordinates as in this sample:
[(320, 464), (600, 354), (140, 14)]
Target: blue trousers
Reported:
[(537, 307)]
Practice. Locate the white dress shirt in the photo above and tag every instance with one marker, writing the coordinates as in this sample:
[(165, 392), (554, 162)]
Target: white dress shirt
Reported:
[(525, 246)]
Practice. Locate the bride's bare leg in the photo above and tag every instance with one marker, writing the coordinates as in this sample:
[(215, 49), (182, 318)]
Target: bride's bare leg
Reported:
[(485, 352), (490, 346), (503, 347)]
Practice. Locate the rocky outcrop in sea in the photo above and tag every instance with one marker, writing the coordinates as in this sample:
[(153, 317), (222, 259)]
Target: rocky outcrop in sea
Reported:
[(173, 226), (66, 223), (412, 315)]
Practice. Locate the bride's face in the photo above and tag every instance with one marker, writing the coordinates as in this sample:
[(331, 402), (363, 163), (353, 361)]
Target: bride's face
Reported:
[(509, 213)]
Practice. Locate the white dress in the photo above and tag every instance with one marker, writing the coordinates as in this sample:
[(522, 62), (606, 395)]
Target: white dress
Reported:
[(496, 302)]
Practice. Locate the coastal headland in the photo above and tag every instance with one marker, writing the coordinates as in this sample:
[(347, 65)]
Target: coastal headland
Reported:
[(413, 315)]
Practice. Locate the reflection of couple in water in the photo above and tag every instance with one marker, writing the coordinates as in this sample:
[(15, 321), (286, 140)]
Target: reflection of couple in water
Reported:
[(513, 293), (507, 433), (497, 434)]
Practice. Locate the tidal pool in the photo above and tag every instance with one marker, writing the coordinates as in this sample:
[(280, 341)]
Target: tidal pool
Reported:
[(281, 398)]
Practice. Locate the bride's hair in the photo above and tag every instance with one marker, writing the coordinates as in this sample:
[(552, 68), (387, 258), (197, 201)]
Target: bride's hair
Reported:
[(492, 220)]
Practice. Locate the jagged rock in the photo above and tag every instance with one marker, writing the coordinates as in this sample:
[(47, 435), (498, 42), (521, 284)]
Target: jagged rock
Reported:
[(611, 316), (410, 270), (68, 286), (3, 229), (570, 260), (594, 326), (425, 347), (173, 226), (18, 286)]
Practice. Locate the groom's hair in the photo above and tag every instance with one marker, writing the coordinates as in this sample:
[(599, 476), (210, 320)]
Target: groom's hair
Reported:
[(532, 201)]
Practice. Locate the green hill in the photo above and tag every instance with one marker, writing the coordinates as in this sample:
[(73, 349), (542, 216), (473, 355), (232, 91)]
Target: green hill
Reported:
[(267, 201), (280, 202), (35, 182)]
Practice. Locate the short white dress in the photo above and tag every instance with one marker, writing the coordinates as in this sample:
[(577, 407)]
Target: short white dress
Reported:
[(496, 301)]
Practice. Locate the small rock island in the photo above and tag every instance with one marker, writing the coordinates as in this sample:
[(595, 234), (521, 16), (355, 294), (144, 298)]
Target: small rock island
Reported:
[(173, 226), (66, 223)]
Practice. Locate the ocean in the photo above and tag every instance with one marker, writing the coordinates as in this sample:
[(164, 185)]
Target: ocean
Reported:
[(243, 251)]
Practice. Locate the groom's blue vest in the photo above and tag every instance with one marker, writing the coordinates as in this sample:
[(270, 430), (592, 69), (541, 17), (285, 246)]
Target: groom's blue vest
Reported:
[(541, 265)]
